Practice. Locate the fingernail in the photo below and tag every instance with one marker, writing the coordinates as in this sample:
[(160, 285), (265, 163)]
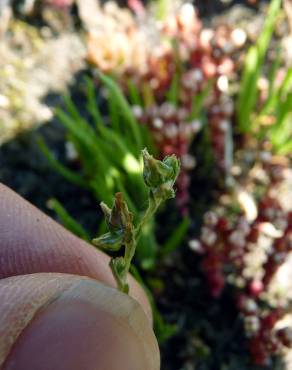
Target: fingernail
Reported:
[(89, 326)]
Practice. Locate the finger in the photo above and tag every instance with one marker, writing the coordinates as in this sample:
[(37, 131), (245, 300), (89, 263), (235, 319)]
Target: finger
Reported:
[(66, 322), (32, 242)]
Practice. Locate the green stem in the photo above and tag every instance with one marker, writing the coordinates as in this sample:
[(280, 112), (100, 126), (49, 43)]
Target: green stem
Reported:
[(130, 249), (150, 211), (159, 177), (120, 279)]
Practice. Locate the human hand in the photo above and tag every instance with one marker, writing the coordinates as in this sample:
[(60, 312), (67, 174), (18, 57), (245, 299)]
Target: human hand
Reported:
[(58, 310)]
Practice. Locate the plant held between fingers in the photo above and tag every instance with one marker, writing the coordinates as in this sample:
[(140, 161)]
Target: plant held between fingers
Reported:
[(159, 177)]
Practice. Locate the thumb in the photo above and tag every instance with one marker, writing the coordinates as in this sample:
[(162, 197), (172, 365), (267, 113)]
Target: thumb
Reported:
[(67, 322), (31, 242)]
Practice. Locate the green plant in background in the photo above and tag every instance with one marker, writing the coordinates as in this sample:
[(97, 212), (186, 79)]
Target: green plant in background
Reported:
[(254, 61), (277, 106), (161, 9), (278, 111), (159, 177), (110, 156), (163, 330), (67, 220), (110, 161)]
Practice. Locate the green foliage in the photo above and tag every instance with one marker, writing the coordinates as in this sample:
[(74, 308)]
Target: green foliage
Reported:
[(134, 95), (163, 330), (279, 107), (109, 155), (176, 237), (254, 61), (128, 125), (68, 221), (58, 167), (161, 9), (273, 120), (199, 100)]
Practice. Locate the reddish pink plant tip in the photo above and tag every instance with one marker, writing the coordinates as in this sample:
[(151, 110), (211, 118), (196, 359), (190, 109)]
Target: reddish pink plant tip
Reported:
[(61, 3), (216, 284), (137, 6), (256, 287)]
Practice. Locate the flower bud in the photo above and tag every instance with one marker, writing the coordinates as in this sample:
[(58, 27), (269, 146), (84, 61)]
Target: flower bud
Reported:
[(160, 176), (120, 223)]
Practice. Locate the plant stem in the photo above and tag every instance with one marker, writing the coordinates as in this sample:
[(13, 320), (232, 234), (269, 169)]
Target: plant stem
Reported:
[(130, 249), (159, 177), (153, 205)]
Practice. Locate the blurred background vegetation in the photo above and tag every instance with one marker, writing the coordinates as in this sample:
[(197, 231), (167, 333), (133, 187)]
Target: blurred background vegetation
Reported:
[(85, 85)]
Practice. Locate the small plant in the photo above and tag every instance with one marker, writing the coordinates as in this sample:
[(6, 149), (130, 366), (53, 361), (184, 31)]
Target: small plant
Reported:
[(242, 252), (159, 177), (107, 155)]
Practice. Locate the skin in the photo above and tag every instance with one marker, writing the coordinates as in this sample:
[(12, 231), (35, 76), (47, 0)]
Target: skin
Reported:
[(58, 305)]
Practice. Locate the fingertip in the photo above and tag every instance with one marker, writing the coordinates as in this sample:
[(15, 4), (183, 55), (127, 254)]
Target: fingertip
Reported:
[(32, 242), (88, 326)]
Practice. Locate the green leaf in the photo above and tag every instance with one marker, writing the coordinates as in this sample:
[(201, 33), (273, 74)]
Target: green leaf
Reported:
[(60, 168), (118, 267), (280, 133), (88, 144), (273, 72), (198, 101), (148, 95), (114, 114), (163, 330), (248, 92), (161, 9), (125, 111), (134, 94), (147, 247), (111, 241), (74, 113), (286, 85), (172, 94), (91, 103), (67, 220), (176, 237)]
